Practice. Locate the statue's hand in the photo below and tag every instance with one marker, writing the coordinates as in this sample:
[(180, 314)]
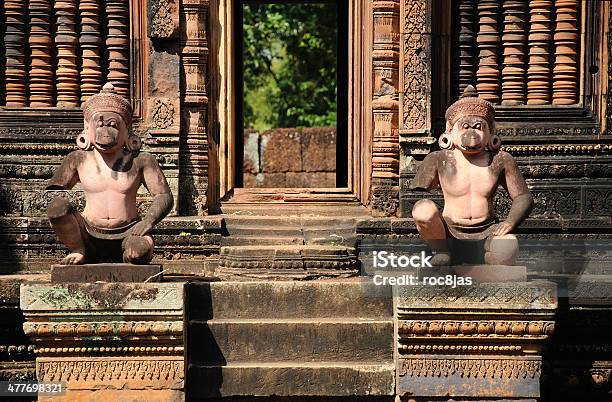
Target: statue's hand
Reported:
[(503, 228), (142, 228)]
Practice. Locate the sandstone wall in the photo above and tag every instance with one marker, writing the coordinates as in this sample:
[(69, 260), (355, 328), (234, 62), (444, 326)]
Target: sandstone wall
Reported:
[(290, 157)]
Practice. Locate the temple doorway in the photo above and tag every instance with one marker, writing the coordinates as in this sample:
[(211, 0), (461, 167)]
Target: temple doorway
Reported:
[(287, 134), (291, 94)]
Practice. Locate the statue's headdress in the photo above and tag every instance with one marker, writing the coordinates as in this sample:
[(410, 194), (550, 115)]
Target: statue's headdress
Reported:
[(469, 104), (108, 101)]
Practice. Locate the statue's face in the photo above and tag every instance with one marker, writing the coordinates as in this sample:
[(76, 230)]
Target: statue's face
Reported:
[(471, 135), (107, 131)]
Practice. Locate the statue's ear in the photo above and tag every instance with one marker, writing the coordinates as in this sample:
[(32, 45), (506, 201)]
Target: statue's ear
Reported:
[(83, 142), (134, 143), (494, 142)]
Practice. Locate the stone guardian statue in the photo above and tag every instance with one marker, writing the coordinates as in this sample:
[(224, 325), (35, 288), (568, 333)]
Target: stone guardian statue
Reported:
[(469, 168), (110, 168)]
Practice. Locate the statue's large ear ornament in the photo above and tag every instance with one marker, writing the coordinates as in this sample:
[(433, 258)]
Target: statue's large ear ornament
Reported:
[(494, 143), (133, 143), (83, 142), (445, 141)]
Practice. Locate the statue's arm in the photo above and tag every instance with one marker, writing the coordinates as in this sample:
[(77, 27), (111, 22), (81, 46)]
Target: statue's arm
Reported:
[(515, 185), (155, 182), (67, 175), (426, 178)]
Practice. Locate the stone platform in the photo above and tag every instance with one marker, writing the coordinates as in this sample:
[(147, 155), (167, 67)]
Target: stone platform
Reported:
[(107, 341), (480, 342)]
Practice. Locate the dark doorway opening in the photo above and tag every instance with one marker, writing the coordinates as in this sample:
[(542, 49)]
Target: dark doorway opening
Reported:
[(291, 94)]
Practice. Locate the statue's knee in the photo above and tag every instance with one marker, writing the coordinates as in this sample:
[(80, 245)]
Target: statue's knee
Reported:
[(424, 211), (501, 250), (138, 250), (58, 208)]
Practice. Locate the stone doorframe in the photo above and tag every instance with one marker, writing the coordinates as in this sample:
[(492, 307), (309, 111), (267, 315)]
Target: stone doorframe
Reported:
[(222, 118)]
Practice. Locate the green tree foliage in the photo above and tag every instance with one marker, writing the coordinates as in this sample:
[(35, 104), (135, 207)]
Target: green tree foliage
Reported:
[(290, 63)]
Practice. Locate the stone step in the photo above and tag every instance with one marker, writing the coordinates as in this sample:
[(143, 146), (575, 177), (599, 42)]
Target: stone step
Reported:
[(260, 241), (267, 262), (338, 298), (264, 230), (258, 340), (296, 209), (290, 221), (290, 379)]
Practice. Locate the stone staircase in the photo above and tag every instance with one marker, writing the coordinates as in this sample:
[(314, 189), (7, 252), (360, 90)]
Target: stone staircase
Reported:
[(289, 338), (290, 242)]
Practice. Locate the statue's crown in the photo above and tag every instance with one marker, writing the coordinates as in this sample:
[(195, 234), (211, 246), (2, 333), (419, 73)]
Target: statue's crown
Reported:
[(108, 101), (469, 104)]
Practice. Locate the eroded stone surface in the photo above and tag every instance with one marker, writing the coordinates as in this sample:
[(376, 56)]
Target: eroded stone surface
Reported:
[(105, 273)]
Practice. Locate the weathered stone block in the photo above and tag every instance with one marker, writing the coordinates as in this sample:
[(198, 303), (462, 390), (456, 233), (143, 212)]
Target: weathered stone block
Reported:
[(315, 299), (281, 151), (319, 149), (105, 273), (349, 379), (314, 340)]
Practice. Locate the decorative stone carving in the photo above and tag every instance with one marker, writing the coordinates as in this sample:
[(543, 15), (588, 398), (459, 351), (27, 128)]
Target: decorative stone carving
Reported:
[(488, 74), (14, 41), (163, 114), (41, 45), (464, 37), (163, 18), (565, 72), (385, 105), (193, 168), (118, 45), (90, 42), (110, 169), (540, 33), (514, 41), (470, 146), (66, 82)]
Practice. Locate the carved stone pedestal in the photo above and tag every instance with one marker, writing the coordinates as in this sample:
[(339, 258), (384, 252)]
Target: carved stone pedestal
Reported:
[(476, 342), (108, 341)]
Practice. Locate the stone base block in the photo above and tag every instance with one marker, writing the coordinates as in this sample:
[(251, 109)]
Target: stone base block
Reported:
[(89, 273), (113, 395)]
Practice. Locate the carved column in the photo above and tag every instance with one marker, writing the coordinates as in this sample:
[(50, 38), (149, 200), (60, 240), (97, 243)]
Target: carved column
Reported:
[(464, 38), (416, 87), (514, 38), (193, 163), (107, 341), (565, 72), (66, 41), (41, 46), (118, 44), (540, 35), (90, 42), (478, 342), (385, 145), (14, 41), (164, 89), (488, 74)]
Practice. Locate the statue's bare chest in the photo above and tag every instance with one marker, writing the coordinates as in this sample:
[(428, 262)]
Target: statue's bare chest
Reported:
[(460, 177), (96, 177)]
